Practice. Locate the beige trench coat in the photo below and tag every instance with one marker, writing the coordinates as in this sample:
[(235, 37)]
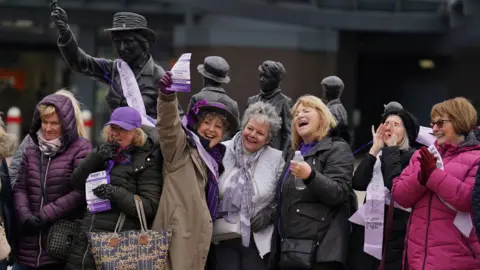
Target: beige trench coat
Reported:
[(183, 207)]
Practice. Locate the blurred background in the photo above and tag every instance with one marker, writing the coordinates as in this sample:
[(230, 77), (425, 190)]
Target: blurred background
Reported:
[(417, 52)]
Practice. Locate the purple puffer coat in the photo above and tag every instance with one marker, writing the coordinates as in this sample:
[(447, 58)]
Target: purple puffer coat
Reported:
[(63, 200)]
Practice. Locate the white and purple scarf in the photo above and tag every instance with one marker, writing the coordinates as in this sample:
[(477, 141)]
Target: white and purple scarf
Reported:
[(238, 197)]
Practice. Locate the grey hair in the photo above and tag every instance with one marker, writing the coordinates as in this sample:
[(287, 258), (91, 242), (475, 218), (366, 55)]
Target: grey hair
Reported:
[(263, 113), (404, 145)]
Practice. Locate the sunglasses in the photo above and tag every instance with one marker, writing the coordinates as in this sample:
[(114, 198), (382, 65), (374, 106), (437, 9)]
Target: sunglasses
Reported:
[(439, 123)]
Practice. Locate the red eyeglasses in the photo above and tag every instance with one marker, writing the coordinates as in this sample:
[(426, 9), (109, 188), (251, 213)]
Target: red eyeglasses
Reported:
[(439, 123)]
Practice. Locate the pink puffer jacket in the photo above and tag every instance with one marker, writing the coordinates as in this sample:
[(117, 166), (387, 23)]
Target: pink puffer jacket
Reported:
[(433, 242)]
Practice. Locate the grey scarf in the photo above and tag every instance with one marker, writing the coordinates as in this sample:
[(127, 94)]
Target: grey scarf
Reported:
[(48, 148), (238, 197)]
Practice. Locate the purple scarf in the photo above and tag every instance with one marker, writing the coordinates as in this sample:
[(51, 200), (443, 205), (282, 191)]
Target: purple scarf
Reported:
[(212, 158)]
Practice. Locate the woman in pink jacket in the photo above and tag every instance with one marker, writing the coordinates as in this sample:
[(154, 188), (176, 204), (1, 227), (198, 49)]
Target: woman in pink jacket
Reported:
[(438, 196)]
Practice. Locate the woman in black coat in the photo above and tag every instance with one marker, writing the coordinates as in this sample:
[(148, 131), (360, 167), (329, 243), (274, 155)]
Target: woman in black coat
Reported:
[(312, 229), (394, 138), (132, 157)]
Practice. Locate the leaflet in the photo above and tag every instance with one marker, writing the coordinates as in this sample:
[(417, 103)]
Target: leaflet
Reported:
[(181, 74), (95, 204)]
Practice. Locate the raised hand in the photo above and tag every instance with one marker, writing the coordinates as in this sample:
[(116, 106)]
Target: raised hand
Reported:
[(428, 163), (165, 81), (108, 151), (60, 18), (378, 142)]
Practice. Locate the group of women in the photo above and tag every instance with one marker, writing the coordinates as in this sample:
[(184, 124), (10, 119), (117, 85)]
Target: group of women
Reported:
[(233, 202)]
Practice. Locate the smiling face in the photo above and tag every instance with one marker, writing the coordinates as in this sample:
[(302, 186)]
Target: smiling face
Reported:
[(254, 135), (211, 127), (128, 48), (444, 131), (51, 126), (394, 126), (307, 122)]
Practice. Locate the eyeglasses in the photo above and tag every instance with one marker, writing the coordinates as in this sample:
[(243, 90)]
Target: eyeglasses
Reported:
[(439, 123)]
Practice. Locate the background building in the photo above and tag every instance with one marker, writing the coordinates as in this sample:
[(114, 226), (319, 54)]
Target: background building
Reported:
[(417, 52)]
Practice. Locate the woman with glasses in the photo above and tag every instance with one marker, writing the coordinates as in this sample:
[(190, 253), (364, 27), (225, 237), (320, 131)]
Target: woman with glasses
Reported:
[(438, 185)]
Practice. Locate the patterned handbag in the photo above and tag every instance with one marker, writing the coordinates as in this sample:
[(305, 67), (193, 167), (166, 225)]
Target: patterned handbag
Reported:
[(141, 250)]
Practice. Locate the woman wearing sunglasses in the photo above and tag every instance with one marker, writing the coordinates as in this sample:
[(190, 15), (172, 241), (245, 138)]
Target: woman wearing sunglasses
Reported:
[(438, 187)]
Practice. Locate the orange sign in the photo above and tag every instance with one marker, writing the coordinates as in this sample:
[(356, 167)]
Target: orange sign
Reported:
[(16, 79)]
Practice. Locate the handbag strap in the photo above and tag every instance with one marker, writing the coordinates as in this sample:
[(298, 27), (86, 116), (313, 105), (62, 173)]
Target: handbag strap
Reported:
[(141, 216), (141, 213), (121, 220)]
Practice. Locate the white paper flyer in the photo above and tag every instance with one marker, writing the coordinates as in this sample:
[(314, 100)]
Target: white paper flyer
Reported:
[(181, 74)]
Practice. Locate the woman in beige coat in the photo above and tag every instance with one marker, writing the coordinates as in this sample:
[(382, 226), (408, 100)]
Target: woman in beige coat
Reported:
[(192, 155)]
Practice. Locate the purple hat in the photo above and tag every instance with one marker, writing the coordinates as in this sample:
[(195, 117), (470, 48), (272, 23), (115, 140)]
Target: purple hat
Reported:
[(125, 117)]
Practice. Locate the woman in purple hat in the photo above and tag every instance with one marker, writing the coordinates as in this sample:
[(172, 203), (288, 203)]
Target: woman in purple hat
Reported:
[(192, 160), (132, 158)]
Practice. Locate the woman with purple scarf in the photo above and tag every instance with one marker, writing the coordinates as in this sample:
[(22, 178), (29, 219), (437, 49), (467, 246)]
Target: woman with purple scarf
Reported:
[(312, 229), (247, 192), (192, 155)]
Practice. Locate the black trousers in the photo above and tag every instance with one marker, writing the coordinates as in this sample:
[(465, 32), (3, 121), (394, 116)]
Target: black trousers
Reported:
[(232, 255)]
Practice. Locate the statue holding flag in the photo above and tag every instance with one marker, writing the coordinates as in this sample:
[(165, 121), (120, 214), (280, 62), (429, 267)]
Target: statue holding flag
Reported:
[(133, 78)]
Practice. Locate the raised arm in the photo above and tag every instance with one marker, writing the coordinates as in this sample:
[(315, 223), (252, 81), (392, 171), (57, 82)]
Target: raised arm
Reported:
[(79, 61), (76, 58), (173, 140)]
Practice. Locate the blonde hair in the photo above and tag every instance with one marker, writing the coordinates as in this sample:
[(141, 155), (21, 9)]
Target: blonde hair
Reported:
[(139, 139), (327, 121), (460, 111)]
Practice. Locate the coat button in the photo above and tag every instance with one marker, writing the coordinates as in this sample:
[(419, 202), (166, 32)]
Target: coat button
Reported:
[(141, 167), (136, 169), (298, 210), (323, 219)]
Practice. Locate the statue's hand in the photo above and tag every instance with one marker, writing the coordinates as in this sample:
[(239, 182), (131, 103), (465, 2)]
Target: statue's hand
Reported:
[(60, 18)]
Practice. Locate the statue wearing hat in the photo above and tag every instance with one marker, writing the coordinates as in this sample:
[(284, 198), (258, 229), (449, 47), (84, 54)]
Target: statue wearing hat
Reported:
[(133, 78), (332, 87), (271, 76), (214, 71)]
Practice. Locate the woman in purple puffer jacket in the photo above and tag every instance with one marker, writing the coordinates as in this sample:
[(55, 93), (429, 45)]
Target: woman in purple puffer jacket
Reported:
[(439, 232), (47, 165)]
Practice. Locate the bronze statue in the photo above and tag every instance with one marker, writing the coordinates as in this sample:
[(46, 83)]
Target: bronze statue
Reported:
[(132, 40), (332, 87), (214, 71), (271, 76)]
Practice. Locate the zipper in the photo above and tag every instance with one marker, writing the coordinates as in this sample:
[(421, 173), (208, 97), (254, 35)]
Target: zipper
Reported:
[(88, 245), (426, 232), (41, 206)]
